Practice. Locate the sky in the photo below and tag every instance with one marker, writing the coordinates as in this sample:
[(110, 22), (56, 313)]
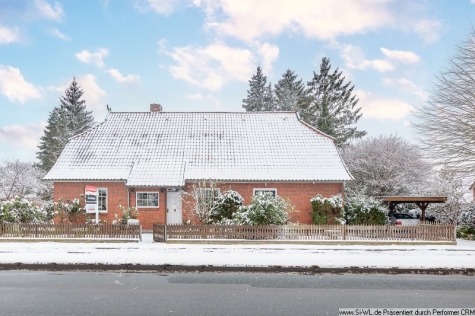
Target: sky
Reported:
[(198, 55)]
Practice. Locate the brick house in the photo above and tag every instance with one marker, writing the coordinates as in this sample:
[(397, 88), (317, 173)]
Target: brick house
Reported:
[(147, 159)]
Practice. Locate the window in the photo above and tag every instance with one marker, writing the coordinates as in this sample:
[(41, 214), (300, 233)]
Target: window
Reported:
[(102, 200), (271, 191), (147, 199), (207, 193)]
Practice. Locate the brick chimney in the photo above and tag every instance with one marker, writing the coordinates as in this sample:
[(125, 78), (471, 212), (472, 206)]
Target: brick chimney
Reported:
[(155, 107)]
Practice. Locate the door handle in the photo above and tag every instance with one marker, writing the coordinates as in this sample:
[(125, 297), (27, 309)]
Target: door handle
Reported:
[(174, 210), (167, 210)]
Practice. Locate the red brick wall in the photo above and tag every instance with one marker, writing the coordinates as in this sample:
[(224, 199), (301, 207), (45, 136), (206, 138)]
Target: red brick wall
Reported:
[(116, 195), (298, 193)]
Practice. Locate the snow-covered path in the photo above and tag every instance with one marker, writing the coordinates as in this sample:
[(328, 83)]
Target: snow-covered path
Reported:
[(147, 252)]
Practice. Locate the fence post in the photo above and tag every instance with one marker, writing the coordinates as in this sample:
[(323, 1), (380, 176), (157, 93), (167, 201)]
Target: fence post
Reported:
[(344, 232), (165, 233), (140, 232)]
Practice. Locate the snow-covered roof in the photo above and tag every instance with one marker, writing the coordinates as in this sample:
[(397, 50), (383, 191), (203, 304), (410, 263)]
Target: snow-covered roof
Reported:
[(169, 148)]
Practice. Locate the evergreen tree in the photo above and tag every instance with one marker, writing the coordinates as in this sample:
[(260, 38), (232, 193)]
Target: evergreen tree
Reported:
[(256, 93), (270, 101), (332, 106), (290, 93), (65, 121)]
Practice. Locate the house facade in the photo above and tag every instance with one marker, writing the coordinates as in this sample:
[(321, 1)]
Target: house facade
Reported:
[(150, 159)]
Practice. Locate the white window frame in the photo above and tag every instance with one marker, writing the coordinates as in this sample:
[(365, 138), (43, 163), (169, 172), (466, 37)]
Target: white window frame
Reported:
[(107, 200), (158, 199), (264, 189), (208, 192)]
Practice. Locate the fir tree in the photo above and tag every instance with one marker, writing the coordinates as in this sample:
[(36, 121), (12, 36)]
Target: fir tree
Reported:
[(65, 121), (332, 105), (290, 93), (270, 101), (256, 93)]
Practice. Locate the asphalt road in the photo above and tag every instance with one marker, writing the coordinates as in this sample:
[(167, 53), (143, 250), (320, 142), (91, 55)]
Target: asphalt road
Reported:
[(109, 293)]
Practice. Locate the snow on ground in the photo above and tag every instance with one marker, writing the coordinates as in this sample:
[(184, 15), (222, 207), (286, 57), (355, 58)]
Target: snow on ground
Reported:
[(461, 255)]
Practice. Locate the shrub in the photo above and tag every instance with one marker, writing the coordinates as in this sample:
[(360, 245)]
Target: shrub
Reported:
[(364, 210), (264, 209), (226, 205), (70, 211), (327, 211), (127, 213), (20, 210), (466, 232)]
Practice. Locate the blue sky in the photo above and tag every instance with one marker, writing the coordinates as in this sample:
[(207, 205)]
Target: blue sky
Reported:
[(198, 55)]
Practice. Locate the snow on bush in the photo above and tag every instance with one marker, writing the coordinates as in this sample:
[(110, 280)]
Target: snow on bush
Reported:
[(226, 205), (365, 210), (327, 211), (127, 213), (20, 210), (70, 211), (265, 209)]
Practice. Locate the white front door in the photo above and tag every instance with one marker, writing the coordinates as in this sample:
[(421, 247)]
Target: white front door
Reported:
[(174, 207)]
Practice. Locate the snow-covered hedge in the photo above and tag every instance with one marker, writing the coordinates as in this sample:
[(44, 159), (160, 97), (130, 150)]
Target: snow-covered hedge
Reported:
[(327, 211), (265, 209), (365, 210), (21, 210)]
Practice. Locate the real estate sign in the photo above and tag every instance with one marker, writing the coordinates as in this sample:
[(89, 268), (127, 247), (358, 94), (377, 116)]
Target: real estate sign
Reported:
[(91, 199)]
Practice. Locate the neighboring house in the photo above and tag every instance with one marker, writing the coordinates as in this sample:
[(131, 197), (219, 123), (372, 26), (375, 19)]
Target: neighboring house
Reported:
[(146, 159)]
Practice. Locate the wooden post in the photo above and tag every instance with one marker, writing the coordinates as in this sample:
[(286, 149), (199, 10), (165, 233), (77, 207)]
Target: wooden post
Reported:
[(423, 207)]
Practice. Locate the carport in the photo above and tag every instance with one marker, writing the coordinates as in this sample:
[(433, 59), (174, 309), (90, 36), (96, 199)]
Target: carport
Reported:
[(421, 201)]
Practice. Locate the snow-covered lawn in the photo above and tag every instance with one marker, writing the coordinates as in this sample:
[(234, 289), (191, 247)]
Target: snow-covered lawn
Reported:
[(147, 252)]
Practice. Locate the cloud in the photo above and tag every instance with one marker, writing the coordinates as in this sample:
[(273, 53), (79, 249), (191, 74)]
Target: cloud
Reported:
[(399, 55), (196, 96), (23, 136), (14, 86), (9, 35), (164, 7), (212, 66), (93, 94), (378, 107), (405, 85), (45, 10), (96, 58), (117, 76), (354, 57), (429, 30), (55, 32), (249, 19), (209, 98), (268, 53)]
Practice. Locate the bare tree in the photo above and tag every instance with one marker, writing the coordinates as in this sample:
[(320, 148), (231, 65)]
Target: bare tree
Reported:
[(446, 122), (386, 165), (201, 201), (457, 209), (22, 179)]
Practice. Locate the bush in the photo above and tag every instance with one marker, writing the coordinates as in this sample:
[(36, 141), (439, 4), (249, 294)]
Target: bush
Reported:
[(364, 210), (264, 209), (466, 232), (20, 210), (327, 211), (70, 211), (226, 205), (127, 213)]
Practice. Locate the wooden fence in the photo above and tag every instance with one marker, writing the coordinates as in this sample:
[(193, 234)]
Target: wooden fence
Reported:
[(63, 231), (305, 232)]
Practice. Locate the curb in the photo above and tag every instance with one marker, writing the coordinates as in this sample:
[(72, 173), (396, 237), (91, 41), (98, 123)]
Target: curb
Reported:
[(209, 268)]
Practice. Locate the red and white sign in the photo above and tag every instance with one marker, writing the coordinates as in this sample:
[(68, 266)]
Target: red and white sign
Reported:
[(91, 199)]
